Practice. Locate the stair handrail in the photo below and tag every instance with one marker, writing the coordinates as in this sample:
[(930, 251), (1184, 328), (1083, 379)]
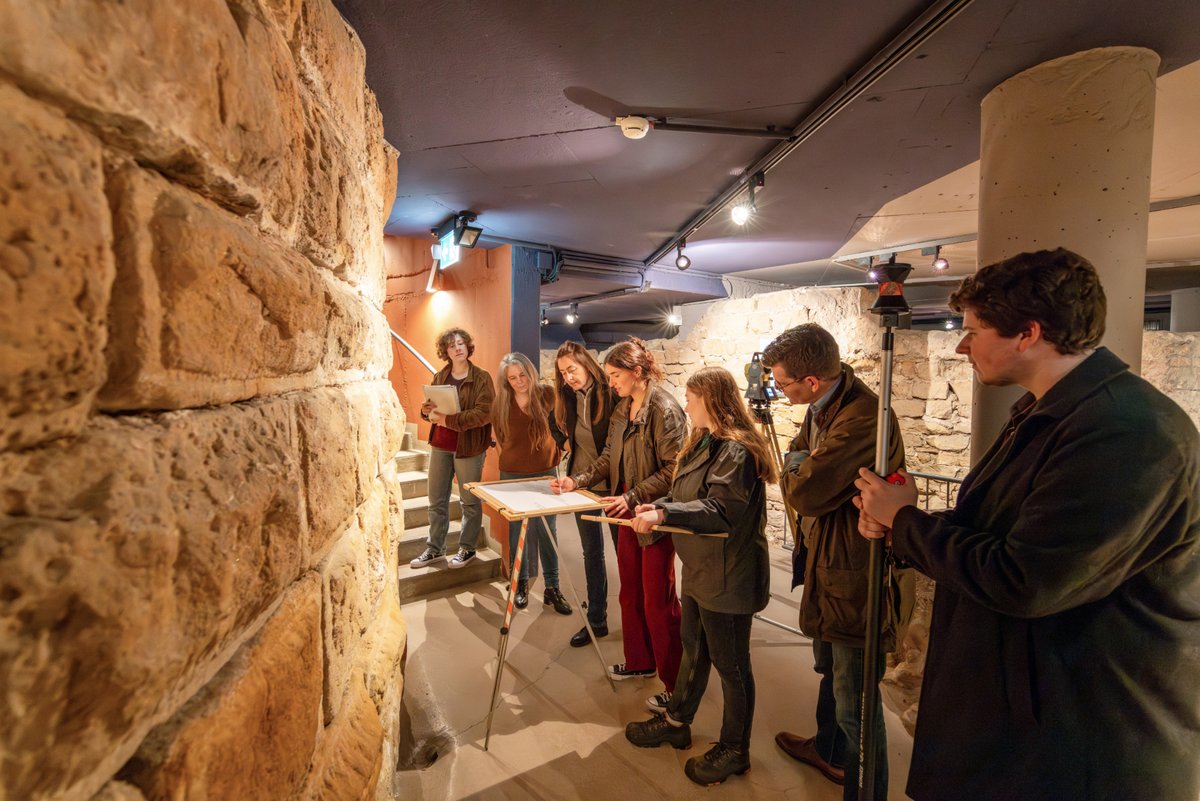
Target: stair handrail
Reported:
[(432, 370)]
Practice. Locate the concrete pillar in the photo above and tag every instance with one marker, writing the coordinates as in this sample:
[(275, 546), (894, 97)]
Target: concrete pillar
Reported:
[(1185, 310), (1065, 161)]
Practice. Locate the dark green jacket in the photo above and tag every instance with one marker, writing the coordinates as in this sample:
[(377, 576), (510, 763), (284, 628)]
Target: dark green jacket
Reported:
[(717, 489), (1064, 649), (644, 448), (840, 439)]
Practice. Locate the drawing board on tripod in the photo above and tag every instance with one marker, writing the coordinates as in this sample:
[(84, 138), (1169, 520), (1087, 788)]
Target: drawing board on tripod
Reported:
[(524, 499)]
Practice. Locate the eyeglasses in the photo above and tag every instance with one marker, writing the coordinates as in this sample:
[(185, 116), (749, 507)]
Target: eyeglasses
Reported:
[(785, 384)]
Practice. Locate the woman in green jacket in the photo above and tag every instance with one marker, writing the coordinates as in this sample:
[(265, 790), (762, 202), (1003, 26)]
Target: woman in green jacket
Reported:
[(719, 487)]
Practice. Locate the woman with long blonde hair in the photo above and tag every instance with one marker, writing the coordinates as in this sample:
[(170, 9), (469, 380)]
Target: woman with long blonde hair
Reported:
[(583, 406), (529, 448), (719, 486)]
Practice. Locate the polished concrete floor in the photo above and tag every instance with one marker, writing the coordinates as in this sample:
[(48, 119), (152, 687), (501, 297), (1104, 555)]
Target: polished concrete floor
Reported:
[(558, 727)]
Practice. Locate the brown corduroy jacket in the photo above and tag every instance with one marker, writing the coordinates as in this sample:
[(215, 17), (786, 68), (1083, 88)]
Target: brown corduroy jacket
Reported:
[(473, 422)]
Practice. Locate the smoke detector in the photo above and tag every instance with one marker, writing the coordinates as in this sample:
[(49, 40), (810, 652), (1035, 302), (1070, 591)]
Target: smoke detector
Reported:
[(634, 127)]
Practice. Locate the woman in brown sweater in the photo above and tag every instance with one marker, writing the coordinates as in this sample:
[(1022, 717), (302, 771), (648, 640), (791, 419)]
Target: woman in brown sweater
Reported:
[(528, 449)]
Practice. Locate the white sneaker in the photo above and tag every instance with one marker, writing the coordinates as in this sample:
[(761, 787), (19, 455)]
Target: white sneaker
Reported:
[(427, 558)]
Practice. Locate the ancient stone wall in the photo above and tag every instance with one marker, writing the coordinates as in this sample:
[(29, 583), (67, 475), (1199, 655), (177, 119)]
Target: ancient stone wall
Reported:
[(198, 513)]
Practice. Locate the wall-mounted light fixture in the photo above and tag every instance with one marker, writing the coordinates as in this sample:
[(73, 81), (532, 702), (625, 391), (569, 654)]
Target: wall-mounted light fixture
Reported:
[(545, 319), (573, 314), (456, 232), (681, 260), (742, 212)]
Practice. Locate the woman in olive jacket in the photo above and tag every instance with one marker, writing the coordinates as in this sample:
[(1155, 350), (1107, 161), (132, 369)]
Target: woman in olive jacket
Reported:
[(719, 487), (644, 435)]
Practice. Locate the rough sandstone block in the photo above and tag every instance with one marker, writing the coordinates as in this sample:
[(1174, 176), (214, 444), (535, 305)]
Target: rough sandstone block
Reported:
[(178, 259), (56, 268), (352, 578), (119, 791), (251, 732), (145, 549), (350, 754), (209, 96), (328, 447)]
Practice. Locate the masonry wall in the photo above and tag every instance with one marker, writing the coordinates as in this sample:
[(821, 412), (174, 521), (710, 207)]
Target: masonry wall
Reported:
[(198, 516)]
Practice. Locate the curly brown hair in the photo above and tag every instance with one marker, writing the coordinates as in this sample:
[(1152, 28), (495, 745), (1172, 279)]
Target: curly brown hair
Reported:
[(446, 338), (1058, 289)]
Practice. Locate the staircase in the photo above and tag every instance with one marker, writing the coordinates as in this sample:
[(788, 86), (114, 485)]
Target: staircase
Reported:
[(412, 463)]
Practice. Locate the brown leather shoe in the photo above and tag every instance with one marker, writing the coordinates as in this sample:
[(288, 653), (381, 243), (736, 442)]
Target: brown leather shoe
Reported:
[(804, 750)]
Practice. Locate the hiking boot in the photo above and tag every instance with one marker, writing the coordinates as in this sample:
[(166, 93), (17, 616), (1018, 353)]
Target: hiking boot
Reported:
[(658, 730), (619, 671), (718, 764), (463, 558), (554, 597), (658, 703), (427, 558)]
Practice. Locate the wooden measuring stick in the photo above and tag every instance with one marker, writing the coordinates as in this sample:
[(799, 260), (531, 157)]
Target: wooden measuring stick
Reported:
[(624, 521)]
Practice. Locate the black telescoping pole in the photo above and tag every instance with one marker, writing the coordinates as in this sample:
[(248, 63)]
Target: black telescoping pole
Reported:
[(890, 305)]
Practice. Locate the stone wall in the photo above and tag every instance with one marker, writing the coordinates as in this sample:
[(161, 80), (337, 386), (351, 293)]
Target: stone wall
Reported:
[(198, 513)]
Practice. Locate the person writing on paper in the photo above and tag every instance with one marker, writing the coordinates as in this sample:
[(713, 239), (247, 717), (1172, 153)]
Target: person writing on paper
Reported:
[(584, 403), (638, 460), (522, 419), (458, 444), (719, 486)]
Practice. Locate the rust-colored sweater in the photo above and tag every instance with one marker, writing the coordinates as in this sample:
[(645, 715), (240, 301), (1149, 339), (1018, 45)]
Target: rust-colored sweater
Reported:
[(517, 453)]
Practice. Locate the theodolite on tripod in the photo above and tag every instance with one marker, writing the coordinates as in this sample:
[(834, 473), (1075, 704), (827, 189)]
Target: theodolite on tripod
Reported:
[(760, 391)]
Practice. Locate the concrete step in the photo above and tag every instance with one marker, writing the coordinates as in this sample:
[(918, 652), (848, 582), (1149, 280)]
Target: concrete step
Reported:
[(418, 582), (414, 540), (413, 483), (411, 460), (416, 510)]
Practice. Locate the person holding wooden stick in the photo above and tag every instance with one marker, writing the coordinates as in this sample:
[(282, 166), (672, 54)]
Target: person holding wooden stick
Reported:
[(644, 435), (719, 486), (583, 406), (521, 418)]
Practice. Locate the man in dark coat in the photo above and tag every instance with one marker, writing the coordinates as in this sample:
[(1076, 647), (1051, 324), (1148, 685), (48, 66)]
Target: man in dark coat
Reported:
[(1064, 649), (836, 438)]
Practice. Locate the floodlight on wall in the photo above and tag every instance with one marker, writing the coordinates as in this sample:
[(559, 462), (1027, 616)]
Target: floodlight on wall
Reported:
[(681, 260), (456, 232), (742, 212), (940, 262), (573, 314)]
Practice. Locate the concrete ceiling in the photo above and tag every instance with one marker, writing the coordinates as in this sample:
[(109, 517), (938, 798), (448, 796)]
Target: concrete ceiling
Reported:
[(506, 109)]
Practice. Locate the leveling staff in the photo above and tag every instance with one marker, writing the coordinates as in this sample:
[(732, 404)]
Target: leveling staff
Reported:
[(1064, 647)]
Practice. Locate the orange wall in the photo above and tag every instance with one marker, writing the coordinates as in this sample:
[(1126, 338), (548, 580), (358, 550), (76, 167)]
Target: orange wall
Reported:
[(475, 294)]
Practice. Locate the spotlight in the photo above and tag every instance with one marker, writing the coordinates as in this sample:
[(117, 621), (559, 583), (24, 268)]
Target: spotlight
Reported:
[(743, 211), (573, 314), (675, 319), (940, 263), (467, 236), (545, 319), (873, 274), (949, 325), (682, 261)]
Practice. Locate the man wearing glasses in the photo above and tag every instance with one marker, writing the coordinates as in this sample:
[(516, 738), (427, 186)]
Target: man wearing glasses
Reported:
[(836, 438)]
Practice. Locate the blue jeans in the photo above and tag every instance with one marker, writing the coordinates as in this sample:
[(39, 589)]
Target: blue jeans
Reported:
[(839, 710), (443, 467), (537, 539), (591, 536), (721, 640)]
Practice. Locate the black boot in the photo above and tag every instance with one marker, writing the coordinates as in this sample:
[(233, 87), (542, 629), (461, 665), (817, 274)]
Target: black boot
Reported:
[(522, 599), (717, 765), (553, 597), (656, 731)]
